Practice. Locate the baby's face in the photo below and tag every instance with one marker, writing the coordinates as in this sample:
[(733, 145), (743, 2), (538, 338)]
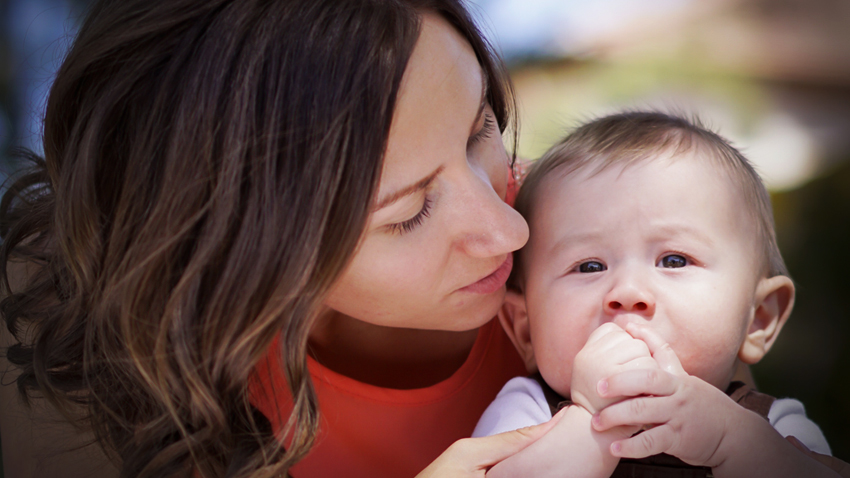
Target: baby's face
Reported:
[(665, 243)]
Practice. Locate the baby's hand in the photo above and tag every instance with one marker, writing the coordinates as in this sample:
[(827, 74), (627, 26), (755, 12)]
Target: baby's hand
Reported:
[(609, 350), (691, 417)]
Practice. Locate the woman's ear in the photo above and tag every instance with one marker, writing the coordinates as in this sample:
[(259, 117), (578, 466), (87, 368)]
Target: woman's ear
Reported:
[(514, 318), (773, 304)]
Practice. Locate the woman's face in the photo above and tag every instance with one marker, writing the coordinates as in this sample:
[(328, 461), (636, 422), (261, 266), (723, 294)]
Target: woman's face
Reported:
[(437, 247)]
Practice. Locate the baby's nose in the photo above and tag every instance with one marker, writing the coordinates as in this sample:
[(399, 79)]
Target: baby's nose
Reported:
[(638, 306), (629, 300)]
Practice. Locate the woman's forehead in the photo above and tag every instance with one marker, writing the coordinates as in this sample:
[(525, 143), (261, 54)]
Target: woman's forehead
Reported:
[(437, 105)]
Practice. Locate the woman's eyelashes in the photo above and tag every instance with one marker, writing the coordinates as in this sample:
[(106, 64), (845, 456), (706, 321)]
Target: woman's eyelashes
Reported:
[(411, 224), (486, 131)]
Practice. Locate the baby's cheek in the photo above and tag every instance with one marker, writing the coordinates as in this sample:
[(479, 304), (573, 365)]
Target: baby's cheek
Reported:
[(556, 368), (713, 365)]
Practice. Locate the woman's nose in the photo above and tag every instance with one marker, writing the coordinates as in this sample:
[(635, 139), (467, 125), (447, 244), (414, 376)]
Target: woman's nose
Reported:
[(489, 227)]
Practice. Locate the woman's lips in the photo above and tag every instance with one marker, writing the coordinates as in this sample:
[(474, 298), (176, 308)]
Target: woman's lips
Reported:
[(494, 281)]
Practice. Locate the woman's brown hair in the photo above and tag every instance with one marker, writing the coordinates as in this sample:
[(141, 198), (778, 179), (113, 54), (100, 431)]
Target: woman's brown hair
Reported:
[(209, 168)]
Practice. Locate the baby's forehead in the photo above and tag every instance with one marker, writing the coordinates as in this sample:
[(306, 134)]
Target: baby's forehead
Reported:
[(713, 168), (650, 181)]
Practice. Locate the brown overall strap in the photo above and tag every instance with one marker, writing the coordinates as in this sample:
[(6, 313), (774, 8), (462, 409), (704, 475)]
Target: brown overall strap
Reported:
[(750, 399)]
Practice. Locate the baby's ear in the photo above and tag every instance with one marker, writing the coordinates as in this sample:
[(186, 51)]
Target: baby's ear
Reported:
[(774, 301), (514, 318)]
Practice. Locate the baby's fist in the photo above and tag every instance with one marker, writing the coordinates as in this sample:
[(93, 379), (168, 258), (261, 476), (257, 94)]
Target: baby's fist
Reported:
[(608, 351)]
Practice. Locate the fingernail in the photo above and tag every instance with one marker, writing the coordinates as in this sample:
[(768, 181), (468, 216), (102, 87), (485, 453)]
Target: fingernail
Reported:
[(594, 420), (615, 448), (602, 386)]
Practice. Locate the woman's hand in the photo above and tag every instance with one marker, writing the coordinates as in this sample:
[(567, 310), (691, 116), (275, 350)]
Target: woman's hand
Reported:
[(472, 457)]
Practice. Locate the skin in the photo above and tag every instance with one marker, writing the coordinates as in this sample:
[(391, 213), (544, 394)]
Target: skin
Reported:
[(399, 315)]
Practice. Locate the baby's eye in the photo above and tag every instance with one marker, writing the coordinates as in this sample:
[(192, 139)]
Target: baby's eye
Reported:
[(591, 266), (673, 261)]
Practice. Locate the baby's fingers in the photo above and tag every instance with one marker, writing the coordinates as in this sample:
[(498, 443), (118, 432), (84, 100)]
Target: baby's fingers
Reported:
[(631, 383), (658, 347), (634, 411), (651, 442), (603, 330)]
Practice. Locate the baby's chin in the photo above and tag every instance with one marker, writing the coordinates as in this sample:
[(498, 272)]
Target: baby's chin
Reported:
[(556, 385)]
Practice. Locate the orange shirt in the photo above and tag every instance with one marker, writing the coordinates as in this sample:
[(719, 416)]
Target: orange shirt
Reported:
[(369, 431)]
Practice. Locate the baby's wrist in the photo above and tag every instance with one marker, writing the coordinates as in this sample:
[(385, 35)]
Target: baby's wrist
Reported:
[(741, 428), (594, 446), (583, 401)]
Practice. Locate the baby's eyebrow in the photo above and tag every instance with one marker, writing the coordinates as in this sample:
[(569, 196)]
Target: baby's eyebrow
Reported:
[(664, 231), (569, 239)]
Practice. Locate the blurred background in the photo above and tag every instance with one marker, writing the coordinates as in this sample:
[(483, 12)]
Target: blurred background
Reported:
[(771, 75)]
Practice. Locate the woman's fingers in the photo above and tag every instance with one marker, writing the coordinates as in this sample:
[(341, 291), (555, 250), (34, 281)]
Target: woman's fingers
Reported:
[(658, 347), (471, 457)]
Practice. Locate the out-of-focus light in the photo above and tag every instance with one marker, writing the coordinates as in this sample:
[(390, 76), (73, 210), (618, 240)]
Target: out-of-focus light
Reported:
[(782, 150)]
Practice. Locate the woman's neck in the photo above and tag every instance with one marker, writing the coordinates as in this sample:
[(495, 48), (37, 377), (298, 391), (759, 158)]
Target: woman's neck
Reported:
[(388, 357)]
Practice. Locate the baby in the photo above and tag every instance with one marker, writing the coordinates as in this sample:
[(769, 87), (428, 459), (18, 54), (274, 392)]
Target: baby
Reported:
[(650, 277)]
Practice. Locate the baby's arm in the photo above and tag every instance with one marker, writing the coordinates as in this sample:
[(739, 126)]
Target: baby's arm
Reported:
[(696, 422), (572, 448)]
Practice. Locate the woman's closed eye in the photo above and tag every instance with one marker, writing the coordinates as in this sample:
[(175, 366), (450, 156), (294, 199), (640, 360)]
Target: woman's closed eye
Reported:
[(411, 224), (486, 131)]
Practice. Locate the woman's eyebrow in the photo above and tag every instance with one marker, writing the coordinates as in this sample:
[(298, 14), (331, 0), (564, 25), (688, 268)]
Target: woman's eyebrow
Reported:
[(408, 190), (423, 183)]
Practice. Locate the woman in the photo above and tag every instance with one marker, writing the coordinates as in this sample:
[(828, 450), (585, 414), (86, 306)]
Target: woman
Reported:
[(231, 187)]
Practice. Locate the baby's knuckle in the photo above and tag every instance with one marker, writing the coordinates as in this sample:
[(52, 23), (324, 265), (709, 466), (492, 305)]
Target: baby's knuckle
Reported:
[(651, 376), (638, 406), (647, 441)]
